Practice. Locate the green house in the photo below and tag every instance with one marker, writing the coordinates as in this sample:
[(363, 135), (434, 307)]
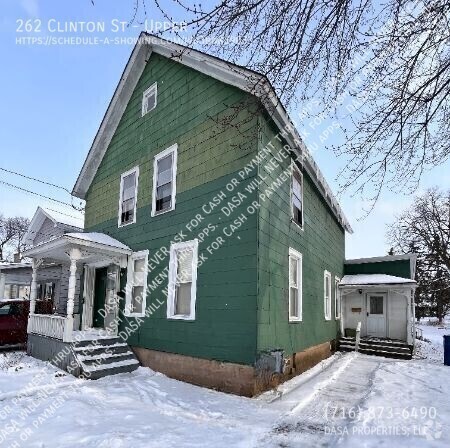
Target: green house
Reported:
[(213, 246)]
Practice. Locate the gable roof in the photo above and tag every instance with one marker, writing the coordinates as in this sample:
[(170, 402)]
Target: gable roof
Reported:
[(228, 73), (64, 222)]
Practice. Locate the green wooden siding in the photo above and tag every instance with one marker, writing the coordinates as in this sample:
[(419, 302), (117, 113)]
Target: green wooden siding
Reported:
[(242, 288), (322, 244), (397, 268), (209, 154)]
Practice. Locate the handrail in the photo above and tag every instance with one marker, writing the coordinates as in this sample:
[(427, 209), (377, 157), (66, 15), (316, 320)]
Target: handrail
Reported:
[(358, 336)]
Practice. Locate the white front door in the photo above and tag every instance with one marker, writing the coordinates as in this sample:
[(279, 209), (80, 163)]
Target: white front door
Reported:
[(376, 315)]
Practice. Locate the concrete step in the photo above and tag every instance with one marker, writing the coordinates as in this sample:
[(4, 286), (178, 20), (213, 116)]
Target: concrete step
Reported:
[(384, 342), (99, 341), (377, 347), (96, 372), (346, 348), (99, 349), (385, 353), (104, 356), (385, 348), (90, 361)]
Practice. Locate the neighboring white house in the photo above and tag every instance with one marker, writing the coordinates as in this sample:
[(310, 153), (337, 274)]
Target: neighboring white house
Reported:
[(379, 293)]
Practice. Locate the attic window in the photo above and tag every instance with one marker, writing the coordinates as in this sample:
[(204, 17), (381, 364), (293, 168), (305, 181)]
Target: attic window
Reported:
[(149, 99)]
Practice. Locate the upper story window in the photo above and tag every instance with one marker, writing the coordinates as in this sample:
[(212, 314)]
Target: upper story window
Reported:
[(128, 197), (164, 181), (295, 285), (327, 295), (149, 99), (297, 196), (136, 290), (182, 289)]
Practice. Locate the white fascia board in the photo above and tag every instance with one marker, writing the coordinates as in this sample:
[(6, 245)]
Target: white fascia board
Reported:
[(380, 259)]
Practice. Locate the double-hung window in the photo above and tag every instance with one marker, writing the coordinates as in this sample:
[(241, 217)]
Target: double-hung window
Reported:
[(128, 197), (136, 289), (182, 290), (164, 181), (327, 294), (295, 285), (149, 99), (297, 196), (337, 298)]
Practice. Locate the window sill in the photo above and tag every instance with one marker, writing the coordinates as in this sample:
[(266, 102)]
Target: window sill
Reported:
[(163, 212), (297, 225), (295, 320), (126, 224), (181, 317), (134, 314)]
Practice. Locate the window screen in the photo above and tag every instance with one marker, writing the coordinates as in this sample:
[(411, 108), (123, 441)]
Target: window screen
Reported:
[(376, 304)]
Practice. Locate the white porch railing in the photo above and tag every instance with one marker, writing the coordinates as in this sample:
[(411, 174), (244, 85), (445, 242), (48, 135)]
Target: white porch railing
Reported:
[(51, 325)]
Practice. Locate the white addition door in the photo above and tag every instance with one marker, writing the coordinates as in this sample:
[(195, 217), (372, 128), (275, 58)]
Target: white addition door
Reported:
[(376, 315)]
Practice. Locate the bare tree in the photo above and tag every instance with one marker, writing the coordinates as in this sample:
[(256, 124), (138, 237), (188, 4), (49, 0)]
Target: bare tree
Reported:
[(12, 231), (425, 229), (380, 69)]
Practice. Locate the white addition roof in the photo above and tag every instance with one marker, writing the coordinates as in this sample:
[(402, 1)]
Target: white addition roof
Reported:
[(374, 279), (98, 238), (247, 80), (72, 222), (94, 246)]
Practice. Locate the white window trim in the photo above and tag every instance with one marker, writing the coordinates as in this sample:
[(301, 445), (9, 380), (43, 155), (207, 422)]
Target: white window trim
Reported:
[(299, 257), (133, 170), (172, 149), (295, 167), (327, 309), (337, 298), (173, 276), (153, 87), (130, 272)]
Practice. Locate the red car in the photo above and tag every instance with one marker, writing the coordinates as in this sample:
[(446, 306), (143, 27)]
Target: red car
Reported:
[(13, 322)]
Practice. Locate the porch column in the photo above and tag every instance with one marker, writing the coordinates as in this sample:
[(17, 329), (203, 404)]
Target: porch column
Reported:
[(74, 255), (413, 316), (2, 285), (33, 289), (409, 338)]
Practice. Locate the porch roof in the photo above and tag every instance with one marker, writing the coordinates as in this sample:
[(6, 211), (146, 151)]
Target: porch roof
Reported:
[(374, 279), (93, 245)]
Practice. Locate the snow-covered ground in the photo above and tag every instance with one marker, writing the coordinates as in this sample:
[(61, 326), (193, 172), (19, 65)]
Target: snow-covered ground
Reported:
[(349, 399)]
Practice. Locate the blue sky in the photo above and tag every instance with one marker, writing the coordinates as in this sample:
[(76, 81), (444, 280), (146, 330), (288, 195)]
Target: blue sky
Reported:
[(54, 97)]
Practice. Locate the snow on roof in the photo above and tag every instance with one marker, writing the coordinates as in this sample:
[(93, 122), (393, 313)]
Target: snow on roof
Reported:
[(7, 265), (73, 218), (99, 238), (373, 279)]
